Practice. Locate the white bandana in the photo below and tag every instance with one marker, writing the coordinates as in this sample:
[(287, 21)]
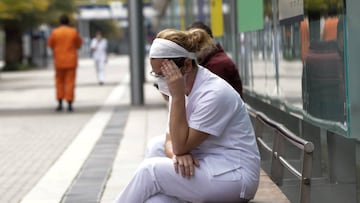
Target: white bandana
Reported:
[(162, 48)]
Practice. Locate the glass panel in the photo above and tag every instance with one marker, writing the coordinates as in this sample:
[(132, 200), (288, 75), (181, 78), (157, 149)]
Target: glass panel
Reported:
[(352, 42), (304, 71), (323, 73)]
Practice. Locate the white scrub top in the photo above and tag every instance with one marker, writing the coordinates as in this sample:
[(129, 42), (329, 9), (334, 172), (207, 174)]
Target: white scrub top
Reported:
[(214, 107), (100, 48)]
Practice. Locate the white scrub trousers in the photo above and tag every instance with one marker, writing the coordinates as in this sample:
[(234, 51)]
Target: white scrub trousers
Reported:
[(155, 180), (100, 70)]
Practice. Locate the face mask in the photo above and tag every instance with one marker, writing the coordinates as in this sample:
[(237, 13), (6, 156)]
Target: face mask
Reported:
[(163, 87)]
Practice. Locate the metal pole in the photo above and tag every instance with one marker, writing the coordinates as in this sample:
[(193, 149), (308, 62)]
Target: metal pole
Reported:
[(276, 44), (305, 188), (200, 5), (235, 34), (137, 54), (246, 55)]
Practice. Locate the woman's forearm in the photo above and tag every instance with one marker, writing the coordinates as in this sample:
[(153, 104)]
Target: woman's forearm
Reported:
[(179, 129)]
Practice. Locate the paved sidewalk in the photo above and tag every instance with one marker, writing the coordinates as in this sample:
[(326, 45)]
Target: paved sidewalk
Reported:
[(142, 125), (33, 136)]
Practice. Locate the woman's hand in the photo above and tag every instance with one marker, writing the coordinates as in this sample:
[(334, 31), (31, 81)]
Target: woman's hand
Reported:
[(185, 164), (174, 78)]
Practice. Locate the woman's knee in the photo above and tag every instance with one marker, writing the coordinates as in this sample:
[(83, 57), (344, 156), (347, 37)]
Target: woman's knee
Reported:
[(155, 147)]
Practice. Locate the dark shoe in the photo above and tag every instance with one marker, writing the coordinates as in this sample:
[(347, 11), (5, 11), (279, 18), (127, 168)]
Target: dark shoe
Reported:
[(70, 108), (59, 108)]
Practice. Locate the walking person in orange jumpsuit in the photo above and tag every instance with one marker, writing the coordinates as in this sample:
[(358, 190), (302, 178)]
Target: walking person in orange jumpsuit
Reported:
[(65, 41)]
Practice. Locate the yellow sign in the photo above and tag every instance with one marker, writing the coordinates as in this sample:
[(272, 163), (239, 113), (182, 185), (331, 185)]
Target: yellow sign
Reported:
[(182, 14), (217, 23)]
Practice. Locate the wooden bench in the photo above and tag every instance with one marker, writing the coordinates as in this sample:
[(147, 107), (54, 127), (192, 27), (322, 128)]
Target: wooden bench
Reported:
[(268, 191)]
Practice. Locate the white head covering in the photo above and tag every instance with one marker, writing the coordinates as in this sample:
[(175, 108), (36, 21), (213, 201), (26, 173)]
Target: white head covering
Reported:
[(163, 48)]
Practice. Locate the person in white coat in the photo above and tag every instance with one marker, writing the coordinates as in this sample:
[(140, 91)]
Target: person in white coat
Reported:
[(98, 48), (211, 153)]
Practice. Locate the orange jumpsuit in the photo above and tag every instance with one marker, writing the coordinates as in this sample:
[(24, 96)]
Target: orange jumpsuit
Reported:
[(330, 28), (65, 41), (304, 36)]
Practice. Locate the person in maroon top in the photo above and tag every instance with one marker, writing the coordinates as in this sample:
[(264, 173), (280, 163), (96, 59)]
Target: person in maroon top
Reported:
[(217, 61)]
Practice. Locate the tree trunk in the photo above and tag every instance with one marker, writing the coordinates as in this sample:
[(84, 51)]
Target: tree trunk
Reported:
[(13, 46)]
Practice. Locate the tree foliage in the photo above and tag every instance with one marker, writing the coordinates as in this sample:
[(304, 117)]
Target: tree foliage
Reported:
[(29, 13), (87, 2), (17, 16), (16, 9), (58, 7)]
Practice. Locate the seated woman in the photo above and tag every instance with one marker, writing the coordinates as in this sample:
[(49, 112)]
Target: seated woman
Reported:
[(211, 151)]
